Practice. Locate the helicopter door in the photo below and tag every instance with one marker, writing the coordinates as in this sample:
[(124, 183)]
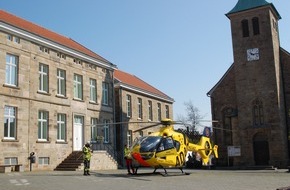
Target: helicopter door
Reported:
[(166, 152)]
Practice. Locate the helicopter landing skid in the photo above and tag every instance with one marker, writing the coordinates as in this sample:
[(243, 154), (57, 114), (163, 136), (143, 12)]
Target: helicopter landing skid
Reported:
[(165, 172)]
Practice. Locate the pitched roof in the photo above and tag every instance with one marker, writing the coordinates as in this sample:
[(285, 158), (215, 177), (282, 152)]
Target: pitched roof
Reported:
[(243, 5), (134, 83), (37, 30)]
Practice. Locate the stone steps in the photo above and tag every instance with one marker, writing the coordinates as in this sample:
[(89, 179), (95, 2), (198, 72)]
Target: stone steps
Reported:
[(100, 160)]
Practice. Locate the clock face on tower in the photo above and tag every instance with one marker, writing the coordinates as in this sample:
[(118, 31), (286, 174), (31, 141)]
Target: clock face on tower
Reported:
[(253, 54)]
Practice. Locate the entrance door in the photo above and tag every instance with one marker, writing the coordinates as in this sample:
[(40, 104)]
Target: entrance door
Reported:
[(78, 133), (261, 152)]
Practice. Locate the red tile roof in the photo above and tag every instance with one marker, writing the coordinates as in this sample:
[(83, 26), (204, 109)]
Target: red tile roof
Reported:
[(45, 33), (136, 83)]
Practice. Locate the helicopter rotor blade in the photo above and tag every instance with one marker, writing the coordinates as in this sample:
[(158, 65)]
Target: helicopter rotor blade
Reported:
[(119, 123), (147, 127)]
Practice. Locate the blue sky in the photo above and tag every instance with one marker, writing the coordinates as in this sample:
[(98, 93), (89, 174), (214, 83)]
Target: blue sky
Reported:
[(182, 47)]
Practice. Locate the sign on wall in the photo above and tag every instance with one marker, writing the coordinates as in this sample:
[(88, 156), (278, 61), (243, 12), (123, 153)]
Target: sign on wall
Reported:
[(234, 151)]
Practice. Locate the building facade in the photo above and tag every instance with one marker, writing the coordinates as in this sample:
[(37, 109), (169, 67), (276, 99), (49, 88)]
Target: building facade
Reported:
[(137, 104), (251, 101), (52, 92)]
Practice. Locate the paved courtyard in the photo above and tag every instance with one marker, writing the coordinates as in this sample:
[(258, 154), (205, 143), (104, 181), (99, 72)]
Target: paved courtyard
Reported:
[(145, 180)]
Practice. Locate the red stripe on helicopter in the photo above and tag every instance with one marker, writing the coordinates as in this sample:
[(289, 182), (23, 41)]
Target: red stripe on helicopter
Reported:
[(137, 156)]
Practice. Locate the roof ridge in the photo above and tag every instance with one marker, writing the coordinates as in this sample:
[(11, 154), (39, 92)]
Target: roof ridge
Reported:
[(48, 34), (158, 92)]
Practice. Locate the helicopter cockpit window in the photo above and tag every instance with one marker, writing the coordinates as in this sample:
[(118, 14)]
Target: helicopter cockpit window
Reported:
[(165, 144), (148, 143), (177, 145)]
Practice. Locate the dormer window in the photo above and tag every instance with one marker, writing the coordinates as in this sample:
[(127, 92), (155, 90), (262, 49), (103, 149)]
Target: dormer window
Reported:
[(256, 27), (245, 28)]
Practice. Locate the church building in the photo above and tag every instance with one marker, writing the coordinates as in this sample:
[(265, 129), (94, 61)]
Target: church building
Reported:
[(252, 99)]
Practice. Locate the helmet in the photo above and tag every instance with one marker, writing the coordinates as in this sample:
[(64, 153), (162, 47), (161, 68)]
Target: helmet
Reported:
[(87, 144)]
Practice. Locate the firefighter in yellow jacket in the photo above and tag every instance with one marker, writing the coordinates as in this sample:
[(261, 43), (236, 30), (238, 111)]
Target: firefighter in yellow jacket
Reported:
[(87, 154)]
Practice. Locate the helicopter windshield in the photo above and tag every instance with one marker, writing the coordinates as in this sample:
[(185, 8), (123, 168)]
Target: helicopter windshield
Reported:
[(148, 143)]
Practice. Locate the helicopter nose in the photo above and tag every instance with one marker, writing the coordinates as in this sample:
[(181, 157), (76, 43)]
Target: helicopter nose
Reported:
[(139, 159)]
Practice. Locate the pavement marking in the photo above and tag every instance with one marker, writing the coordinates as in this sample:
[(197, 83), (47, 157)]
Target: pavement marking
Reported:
[(20, 182)]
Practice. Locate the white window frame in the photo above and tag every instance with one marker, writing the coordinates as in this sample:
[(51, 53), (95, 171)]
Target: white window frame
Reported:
[(78, 86), (150, 111), (61, 127), (159, 111), (42, 125), (129, 137), (140, 108), (129, 105), (11, 70), (167, 111), (10, 116), (43, 77), (105, 94), (61, 82), (93, 90), (10, 160), (94, 128), (43, 161)]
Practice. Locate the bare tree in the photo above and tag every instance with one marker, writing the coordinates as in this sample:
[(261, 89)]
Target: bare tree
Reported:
[(192, 118)]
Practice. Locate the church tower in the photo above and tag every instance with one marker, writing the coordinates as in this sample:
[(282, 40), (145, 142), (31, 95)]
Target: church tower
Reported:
[(261, 125)]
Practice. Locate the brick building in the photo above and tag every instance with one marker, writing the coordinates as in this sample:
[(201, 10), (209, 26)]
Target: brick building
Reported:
[(56, 94), (252, 99), (138, 101), (51, 90)]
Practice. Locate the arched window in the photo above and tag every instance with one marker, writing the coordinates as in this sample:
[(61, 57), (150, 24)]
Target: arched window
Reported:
[(256, 27), (245, 27), (258, 115)]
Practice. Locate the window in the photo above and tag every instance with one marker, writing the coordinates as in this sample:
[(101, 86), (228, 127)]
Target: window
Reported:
[(10, 161), (256, 27), (11, 70), (167, 111), (129, 138), (105, 96), (150, 115), (159, 111), (245, 27), (10, 123), (16, 39), (93, 90), (78, 86), (61, 127), (258, 116), (9, 37), (44, 49), (42, 125), (94, 129), (106, 131), (13, 38), (61, 82), (129, 105), (140, 107), (43, 160), (43, 78)]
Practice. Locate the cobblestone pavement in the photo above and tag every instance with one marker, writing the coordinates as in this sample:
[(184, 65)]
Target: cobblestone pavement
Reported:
[(145, 180)]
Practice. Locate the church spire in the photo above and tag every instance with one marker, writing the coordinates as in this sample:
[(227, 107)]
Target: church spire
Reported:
[(243, 5)]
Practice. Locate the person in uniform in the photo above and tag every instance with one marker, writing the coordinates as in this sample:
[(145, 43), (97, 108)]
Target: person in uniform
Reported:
[(128, 159), (87, 154)]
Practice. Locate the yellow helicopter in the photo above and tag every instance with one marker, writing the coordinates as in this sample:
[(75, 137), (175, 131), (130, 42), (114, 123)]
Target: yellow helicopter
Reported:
[(168, 148)]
